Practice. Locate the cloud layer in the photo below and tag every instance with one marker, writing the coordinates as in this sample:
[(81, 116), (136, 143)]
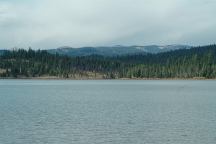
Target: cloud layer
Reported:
[(52, 23)]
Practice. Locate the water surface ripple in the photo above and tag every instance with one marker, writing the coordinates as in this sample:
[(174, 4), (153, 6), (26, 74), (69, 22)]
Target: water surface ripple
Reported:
[(107, 112)]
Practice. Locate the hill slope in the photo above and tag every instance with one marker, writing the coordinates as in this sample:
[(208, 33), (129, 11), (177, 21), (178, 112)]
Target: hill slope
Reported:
[(115, 50), (184, 63)]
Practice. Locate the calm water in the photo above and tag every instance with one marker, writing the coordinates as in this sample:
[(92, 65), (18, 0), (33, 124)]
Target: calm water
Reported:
[(107, 112)]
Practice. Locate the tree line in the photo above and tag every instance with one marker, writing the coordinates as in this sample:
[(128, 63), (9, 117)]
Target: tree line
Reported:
[(184, 63)]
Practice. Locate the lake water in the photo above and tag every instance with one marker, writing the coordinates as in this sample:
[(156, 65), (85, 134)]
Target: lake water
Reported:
[(107, 112)]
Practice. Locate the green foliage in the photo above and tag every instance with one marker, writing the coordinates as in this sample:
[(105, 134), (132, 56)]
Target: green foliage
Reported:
[(185, 63)]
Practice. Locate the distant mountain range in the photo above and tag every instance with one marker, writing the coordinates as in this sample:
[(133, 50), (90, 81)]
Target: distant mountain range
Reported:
[(113, 50), (116, 50), (196, 62), (2, 52)]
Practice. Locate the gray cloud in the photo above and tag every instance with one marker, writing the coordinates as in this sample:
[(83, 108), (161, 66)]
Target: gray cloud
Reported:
[(54, 23)]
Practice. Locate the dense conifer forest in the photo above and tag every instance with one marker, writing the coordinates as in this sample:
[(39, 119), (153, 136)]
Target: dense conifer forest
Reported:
[(197, 62)]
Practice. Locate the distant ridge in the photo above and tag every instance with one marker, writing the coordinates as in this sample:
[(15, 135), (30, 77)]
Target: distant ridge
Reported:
[(115, 50), (196, 62), (2, 52)]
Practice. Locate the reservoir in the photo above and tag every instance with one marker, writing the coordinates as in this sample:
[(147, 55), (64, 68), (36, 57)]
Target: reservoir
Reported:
[(107, 111)]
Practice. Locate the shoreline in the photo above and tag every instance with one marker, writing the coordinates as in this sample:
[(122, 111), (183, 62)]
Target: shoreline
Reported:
[(58, 78)]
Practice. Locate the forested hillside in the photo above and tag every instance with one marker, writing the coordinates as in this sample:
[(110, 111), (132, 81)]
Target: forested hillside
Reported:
[(184, 63), (115, 50)]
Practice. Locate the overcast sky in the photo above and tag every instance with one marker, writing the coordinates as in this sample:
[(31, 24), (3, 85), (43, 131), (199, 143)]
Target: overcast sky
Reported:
[(53, 23)]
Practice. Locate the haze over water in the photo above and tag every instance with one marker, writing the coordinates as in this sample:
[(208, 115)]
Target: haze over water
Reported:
[(108, 112)]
